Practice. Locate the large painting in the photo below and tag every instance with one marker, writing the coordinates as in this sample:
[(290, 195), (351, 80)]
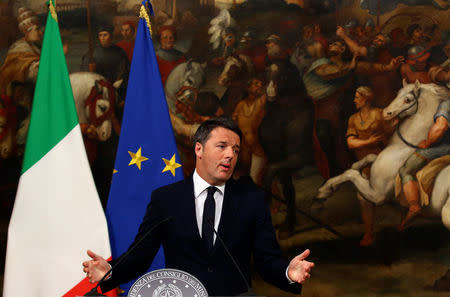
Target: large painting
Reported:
[(344, 107)]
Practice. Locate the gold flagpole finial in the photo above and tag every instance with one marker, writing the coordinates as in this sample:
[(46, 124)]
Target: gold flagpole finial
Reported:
[(53, 11), (144, 15)]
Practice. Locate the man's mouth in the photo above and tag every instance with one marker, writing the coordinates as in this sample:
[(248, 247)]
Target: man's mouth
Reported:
[(225, 166)]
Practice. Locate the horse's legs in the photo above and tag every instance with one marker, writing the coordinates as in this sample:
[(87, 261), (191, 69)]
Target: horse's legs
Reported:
[(289, 194), (411, 191), (364, 162), (445, 213), (367, 216), (257, 168), (361, 183), (326, 136), (443, 284)]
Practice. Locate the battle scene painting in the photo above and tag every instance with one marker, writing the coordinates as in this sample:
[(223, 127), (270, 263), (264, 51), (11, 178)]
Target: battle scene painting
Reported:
[(343, 104)]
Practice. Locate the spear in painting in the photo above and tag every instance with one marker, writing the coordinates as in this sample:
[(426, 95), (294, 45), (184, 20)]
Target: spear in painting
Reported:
[(91, 39), (174, 9), (336, 5)]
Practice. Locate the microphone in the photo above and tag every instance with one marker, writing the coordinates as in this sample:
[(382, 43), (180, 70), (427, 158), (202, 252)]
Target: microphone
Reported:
[(249, 289), (94, 291)]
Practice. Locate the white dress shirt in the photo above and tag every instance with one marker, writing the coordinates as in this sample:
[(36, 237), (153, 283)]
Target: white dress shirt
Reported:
[(200, 193)]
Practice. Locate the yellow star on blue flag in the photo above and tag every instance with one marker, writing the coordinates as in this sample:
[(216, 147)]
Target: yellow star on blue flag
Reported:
[(171, 165), (137, 158)]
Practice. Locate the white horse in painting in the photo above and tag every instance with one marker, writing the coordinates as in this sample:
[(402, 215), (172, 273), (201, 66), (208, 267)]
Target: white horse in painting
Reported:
[(184, 82), (416, 104)]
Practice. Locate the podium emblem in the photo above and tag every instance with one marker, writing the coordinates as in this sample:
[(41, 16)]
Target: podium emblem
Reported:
[(167, 283)]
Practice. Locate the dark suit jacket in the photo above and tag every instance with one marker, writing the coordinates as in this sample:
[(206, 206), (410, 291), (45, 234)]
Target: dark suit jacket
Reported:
[(245, 226)]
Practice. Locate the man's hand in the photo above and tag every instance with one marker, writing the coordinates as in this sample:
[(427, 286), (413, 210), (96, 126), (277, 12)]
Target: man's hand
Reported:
[(340, 32), (353, 62), (299, 269), (374, 138), (423, 144), (395, 62), (96, 268)]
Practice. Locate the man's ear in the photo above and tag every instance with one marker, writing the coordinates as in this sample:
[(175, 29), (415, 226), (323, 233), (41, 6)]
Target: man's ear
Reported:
[(198, 150)]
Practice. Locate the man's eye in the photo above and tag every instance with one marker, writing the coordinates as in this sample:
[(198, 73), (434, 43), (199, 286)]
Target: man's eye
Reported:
[(236, 151)]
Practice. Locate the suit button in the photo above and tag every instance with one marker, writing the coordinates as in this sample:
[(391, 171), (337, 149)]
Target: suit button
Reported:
[(210, 269)]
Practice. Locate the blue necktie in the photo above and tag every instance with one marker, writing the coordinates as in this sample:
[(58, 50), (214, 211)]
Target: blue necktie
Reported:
[(209, 213)]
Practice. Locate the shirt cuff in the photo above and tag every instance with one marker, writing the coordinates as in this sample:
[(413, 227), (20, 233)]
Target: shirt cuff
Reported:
[(110, 274), (287, 277)]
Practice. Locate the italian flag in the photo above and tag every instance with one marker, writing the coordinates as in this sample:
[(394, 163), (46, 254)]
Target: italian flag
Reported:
[(57, 213)]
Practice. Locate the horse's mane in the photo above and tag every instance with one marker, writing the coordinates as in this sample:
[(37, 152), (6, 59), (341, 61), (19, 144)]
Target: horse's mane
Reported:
[(439, 91), (249, 64), (241, 59)]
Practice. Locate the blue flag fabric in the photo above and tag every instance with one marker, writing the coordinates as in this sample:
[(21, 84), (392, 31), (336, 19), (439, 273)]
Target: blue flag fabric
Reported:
[(147, 156)]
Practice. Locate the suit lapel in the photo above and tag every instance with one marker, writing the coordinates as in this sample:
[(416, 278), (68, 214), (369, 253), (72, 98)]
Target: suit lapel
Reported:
[(188, 207)]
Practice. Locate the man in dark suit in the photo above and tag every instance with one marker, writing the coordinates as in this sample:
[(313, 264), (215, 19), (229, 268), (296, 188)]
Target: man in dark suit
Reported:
[(209, 199)]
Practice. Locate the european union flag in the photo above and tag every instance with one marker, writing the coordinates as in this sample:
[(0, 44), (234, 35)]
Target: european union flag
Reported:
[(147, 156)]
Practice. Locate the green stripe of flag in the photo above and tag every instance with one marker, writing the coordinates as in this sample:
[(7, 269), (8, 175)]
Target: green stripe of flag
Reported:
[(53, 115)]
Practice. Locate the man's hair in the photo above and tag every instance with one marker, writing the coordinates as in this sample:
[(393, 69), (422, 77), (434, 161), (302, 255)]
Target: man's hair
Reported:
[(204, 131), (410, 30), (366, 92), (252, 79), (105, 28), (386, 37), (130, 24)]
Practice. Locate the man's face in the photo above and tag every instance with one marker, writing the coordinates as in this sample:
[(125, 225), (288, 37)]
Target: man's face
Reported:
[(307, 33), (229, 39), (336, 48), (167, 40), (368, 30), (256, 88), (34, 35), (379, 41), (216, 159), (359, 100), (105, 38), (447, 50), (127, 32), (420, 65), (359, 32), (417, 34)]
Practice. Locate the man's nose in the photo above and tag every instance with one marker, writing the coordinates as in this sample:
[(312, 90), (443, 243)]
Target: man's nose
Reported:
[(229, 152)]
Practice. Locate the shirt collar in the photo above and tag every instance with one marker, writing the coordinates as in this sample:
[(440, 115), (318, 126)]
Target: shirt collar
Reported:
[(201, 185)]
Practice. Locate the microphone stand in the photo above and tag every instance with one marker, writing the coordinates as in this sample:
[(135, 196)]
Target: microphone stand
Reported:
[(250, 291), (94, 291)]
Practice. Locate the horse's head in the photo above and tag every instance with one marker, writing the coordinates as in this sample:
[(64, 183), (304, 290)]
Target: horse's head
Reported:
[(282, 79), (410, 99), (406, 103), (237, 68), (100, 107), (193, 77)]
